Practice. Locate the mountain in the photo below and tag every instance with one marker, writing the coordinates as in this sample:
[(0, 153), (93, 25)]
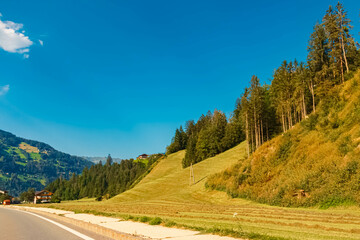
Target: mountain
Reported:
[(314, 163), (26, 163), (102, 159)]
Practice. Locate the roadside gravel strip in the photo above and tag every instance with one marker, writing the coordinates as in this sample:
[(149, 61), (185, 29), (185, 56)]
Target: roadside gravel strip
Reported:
[(125, 229)]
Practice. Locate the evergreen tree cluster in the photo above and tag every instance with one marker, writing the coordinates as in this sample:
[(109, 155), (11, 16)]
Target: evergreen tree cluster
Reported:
[(212, 134), (178, 142), (101, 180), (296, 88), (332, 52), (257, 114), (264, 111)]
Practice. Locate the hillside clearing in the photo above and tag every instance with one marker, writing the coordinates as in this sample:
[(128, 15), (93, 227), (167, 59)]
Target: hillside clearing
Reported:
[(28, 148)]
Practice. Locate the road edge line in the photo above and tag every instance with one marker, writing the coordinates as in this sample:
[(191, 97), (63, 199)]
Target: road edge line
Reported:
[(83, 236)]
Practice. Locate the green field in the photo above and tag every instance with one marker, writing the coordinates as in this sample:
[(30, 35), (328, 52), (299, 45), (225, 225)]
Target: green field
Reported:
[(166, 193), (145, 161), (35, 156), (2, 177), (21, 163)]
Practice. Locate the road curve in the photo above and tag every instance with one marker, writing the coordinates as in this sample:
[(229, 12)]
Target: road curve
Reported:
[(19, 225)]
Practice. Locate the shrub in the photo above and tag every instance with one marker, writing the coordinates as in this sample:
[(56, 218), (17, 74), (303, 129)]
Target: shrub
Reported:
[(310, 123), (345, 145), (55, 199), (242, 177), (283, 151), (332, 101), (334, 134), (354, 83), (335, 123), (144, 219), (170, 223), (155, 221), (336, 200), (128, 217), (350, 170), (279, 197)]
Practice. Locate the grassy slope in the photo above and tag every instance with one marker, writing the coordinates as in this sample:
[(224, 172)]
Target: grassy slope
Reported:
[(165, 192), (169, 181), (320, 156)]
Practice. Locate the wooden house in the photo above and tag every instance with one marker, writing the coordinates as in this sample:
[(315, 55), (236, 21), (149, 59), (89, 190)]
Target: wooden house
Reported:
[(143, 156), (3, 192), (43, 196)]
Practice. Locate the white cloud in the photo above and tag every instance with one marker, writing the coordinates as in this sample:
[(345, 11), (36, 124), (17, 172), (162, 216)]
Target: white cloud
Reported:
[(41, 42), (4, 89), (11, 40), (15, 26)]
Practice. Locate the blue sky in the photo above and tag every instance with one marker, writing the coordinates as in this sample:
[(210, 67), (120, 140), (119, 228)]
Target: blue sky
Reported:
[(98, 77)]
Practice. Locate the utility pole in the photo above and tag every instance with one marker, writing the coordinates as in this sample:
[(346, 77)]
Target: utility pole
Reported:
[(192, 177)]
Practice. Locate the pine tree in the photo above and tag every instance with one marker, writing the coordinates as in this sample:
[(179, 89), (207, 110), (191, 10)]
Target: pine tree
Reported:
[(318, 61), (245, 114), (109, 160), (178, 142), (337, 27), (344, 27)]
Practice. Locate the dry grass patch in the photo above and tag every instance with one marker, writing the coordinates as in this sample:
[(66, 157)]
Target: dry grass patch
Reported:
[(28, 148)]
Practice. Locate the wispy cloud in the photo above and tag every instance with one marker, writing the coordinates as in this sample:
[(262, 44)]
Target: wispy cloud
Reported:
[(13, 39), (41, 42), (4, 89)]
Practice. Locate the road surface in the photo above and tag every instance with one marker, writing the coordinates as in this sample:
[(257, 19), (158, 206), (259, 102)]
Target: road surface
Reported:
[(19, 225)]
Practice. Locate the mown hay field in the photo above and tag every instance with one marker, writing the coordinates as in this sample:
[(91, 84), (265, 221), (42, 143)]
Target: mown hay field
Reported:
[(165, 192)]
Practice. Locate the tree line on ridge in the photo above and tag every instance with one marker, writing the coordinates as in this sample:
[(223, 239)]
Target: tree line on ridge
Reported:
[(263, 111)]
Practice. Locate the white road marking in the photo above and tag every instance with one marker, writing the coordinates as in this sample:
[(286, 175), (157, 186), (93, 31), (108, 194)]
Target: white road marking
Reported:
[(80, 235)]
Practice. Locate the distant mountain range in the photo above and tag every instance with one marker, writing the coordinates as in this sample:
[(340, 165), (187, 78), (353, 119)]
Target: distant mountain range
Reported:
[(26, 163), (102, 159)]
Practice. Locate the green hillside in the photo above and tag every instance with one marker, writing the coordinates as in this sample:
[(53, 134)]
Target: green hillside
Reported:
[(169, 181), (31, 164), (315, 163), (165, 193)]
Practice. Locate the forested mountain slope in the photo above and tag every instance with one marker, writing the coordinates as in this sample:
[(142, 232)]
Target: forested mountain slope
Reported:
[(104, 180), (317, 162), (26, 163)]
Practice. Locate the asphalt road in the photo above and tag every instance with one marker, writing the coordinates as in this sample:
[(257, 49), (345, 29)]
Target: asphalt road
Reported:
[(19, 225)]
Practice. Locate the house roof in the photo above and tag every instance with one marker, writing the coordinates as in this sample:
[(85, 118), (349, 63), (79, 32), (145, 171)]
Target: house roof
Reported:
[(40, 192)]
